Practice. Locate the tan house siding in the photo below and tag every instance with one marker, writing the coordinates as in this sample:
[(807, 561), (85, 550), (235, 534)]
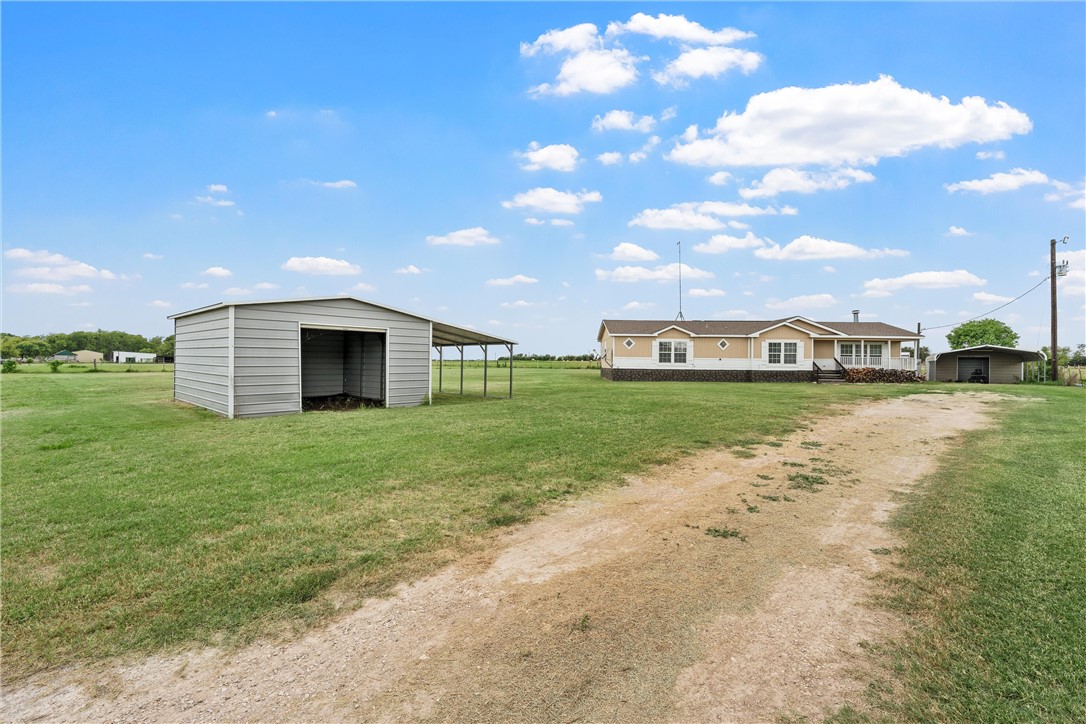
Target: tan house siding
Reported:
[(809, 327), (823, 349), (895, 348), (642, 347), (781, 333), (673, 334), (707, 348)]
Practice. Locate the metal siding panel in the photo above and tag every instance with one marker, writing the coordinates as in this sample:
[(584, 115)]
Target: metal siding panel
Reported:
[(322, 362), (201, 369), (373, 367), (352, 363)]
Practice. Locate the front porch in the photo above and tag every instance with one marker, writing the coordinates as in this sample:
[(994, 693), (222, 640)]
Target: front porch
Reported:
[(878, 361)]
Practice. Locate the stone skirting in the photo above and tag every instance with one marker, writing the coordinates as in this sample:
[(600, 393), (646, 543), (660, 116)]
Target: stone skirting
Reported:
[(690, 375)]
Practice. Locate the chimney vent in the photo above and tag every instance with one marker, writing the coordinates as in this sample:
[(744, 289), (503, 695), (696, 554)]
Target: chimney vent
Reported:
[(855, 315)]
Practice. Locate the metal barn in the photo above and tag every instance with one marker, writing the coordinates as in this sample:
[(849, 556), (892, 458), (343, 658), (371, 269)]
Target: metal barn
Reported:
[(987, 363), (247, 359)]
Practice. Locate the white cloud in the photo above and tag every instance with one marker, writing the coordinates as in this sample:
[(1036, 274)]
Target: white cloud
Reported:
[(47, 288), (780, 180), (212, 201), (627, 251), (1074, 284), (271, 114), (668, 113), (363, 287), (609, 158), (665, 273), (707, 293), (987, 298), (55, 267), (556, 157), (592, 71), (702, 216), (722, 243), (265, 286), (633, 306), (409, 269), (160, 304), (341, 184), (720, 178), (321, 265), (553, 201), (194, 285), (569, 40), (520, 304), (475, 236), (998, 182), (847, 124), (217, 271), (562, 222), (712, 62), (806, 248), (218, 189), (236, 292), (676, 27), (935, 312), (829, 269), (510, 281), (922, 280), (534, 221), (643, 153), (616, 120), (805, 301), (958, 231), (152, 257), (741, 226), (990, 155)]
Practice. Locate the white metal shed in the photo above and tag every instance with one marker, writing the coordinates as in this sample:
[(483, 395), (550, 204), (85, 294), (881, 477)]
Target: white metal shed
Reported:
[(253, 358)]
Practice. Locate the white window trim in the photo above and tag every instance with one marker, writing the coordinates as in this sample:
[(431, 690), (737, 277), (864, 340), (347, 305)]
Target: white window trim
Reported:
[(801, 352), (685, 342)]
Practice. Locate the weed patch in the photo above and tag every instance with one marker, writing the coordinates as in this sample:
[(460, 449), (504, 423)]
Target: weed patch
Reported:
[(806, 481), (725, 533)]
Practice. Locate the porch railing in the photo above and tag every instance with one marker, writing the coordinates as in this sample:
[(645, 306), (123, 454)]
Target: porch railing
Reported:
[(883, 361)]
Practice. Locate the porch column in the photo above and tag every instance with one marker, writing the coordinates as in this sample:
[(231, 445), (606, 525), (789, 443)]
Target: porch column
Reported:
[(440, 366), (484, 369), (510, 348)]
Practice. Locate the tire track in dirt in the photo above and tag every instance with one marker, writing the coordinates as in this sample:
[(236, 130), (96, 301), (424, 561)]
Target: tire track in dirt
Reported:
[(617, 607)]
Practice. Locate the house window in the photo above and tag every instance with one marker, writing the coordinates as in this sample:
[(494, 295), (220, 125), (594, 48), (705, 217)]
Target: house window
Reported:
[(628, 344), (671, 352), (723, 344), (783, 352)]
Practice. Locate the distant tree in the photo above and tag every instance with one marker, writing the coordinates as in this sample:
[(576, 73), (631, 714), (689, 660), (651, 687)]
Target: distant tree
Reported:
[(982, 331), (1078, 359), (924, 352)]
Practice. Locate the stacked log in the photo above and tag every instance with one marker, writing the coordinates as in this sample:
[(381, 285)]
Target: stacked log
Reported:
[(878, 374)]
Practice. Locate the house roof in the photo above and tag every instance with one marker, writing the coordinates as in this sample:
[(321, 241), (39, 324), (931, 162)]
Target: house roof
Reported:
[(747, 328), (1027, 355), (444, 334)]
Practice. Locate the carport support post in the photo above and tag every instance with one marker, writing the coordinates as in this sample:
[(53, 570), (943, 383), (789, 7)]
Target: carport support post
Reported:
[(510, 348), (484, 369), (440, 366), (461, 348)]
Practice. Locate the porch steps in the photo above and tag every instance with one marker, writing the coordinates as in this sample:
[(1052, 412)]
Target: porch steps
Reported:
[(832, 377)]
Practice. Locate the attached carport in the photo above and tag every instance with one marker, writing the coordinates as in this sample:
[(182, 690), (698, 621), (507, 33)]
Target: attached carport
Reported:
[(447, 335), (987, 363)]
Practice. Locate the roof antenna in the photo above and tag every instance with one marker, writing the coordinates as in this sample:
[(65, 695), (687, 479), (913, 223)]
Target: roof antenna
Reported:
[(680, 318)]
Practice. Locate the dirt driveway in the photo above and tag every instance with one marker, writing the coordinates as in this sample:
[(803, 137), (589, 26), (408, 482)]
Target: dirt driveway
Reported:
[(716, 589)]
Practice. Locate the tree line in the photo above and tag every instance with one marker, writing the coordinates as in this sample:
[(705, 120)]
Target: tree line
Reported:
[(46, 345)]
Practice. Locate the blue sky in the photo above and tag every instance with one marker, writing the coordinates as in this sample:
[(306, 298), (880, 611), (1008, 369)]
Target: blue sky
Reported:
[(528, 169)]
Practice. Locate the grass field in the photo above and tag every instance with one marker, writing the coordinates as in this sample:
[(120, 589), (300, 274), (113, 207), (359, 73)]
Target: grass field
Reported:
[(134, 524)]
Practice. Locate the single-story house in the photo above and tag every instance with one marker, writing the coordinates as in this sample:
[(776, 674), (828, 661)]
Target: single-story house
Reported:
[(252, 358), (792, 349), (88, 356), (131, 357), (986, 363)]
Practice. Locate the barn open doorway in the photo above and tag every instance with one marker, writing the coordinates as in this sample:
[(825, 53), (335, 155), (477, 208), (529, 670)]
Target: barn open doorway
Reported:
[(343, 368)]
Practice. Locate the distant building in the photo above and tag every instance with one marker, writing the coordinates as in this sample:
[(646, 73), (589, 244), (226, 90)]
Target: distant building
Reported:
[(64, 356), (88, 356), (131, 357)]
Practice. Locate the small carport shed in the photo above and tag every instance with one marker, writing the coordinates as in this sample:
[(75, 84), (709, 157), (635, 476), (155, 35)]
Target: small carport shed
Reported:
[(247, 359), (984, 363)]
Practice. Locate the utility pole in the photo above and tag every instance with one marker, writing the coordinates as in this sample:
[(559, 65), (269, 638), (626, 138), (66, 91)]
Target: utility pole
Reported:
[(1053, 273), (680, 318)]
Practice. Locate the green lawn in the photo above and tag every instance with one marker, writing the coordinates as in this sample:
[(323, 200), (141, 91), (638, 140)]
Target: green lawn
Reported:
[(133, 523), (995, 572)]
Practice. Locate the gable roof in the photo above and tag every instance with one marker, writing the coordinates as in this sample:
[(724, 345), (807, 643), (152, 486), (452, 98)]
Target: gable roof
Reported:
[(747, 328), (1027, 355), (444, 334)]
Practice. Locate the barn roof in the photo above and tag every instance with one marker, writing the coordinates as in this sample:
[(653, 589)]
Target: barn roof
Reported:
[(444, 334), (1027, 355), (746, 328)]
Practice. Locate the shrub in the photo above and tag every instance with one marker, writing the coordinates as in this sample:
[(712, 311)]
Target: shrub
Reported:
[(54, 365), (9, 365)]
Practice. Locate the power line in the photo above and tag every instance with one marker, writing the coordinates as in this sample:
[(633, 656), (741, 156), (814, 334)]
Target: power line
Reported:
[(944, 326)]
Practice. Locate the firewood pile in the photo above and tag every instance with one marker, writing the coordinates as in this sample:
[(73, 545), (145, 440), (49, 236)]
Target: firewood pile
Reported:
[(877, 374)]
